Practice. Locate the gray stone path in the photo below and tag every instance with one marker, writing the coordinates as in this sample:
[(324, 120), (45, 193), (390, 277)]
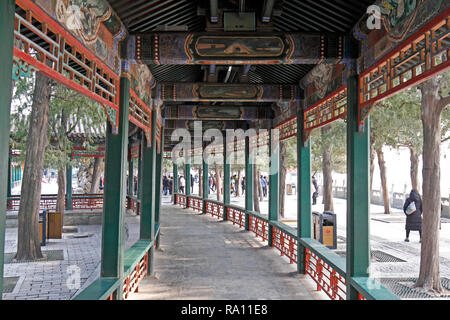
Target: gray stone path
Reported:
[(202, 258)]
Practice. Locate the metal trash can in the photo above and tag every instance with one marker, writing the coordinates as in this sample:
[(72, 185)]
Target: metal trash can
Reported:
[(43, 227), (324, 228)]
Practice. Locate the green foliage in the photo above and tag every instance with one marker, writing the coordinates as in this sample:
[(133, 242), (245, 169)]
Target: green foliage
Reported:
[(335, 141), (67, 110)]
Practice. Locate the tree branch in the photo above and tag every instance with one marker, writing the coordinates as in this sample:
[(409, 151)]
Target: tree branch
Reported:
[(445, 101)]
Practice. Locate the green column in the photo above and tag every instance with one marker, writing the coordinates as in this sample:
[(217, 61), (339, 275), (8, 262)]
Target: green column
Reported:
[(147, 225), (175, 181), (303, 191), (139, 180), (6, 58), (205, 185), (130, 177), (274, 184), (226, 180), (248, 182), (358, 245), (187, 180), (69, 187), (114, 192), (159, 160)]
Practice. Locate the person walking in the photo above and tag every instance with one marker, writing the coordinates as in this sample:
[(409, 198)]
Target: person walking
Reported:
[(170, 185), (263, 185), (243, 185), (181, 184), (165, 185), (192, 183), (413, 210), (314, 190)]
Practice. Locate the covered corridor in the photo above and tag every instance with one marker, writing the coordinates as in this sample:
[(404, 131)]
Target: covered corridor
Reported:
[(203, 258)]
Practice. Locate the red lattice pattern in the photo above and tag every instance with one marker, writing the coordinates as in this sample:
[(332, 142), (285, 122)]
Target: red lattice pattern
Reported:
[(131, 283), (236, 216), (214, 209), (327, 279), (180, 200), (196, 204), (259, 227), (285, 243)]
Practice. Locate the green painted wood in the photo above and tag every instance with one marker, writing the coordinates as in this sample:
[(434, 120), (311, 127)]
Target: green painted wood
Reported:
[(303, 191), (69, 187), (158, 189), (358, 244), (333, 259), (115, 191), (274, 183), (226, 179), (147, 225), (140, 181), (100, 289), (248, 182), (371, 289), (134, 255), (6, 58), (187, 181), (175, 181), (205, 183)]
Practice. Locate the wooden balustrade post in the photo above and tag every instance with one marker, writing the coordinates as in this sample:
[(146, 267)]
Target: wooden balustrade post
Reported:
[(248, 181), (114, 192), (358, 242), (303, 192), (274, 183), (6, 58)]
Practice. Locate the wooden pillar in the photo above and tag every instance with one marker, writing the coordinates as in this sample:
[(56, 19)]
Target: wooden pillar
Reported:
[(175, 181), (226, 179), (139, 180), (274, 185), (9, 177), (147, 225), (69, 186), (248, 182), (159, 160), (303, 191), (205, 184), (187, 180), (6, 58), (114, 192), (358, 244)]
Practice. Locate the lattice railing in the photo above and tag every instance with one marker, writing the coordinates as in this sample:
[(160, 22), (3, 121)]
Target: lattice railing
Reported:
[(288, 129), (285, 243), (236, 216), (326, 278), (43, 43), (180, 199), (333, 107), (259, 227), (133, 204), (195, 204), (48, 202), (131, 282), (140, 114), (214, 209), (87, 202), (421, 56)]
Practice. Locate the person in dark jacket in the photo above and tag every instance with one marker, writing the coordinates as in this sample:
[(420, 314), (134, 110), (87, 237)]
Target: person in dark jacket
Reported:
[(413, 220)]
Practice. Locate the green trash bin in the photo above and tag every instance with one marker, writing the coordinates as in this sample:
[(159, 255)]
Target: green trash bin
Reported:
[(325, 228)]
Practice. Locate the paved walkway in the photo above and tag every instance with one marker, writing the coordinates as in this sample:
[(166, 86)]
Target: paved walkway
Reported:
[(202, 258)]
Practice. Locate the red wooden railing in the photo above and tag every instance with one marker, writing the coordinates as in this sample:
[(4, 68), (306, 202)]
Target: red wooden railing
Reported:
[(284, 242), (131, 282), (259, 227), (214, 209), (326, 278), (48, 202), (195, 204), (236, 216)]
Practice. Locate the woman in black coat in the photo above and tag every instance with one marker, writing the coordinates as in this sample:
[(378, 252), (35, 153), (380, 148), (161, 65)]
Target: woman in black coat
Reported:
[(413, 220)]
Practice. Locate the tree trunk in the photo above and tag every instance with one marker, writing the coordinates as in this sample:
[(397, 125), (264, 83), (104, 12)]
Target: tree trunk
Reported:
[(282, 179), (28, 244), (327, 176), (429, 277), (61, 199), (383, 177), (95, 182), (414, 157), (372, 162), (255, 188)]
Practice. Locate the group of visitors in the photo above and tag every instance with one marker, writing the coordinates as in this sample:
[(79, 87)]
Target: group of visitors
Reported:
[(234, 185), (167, 185)]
